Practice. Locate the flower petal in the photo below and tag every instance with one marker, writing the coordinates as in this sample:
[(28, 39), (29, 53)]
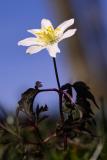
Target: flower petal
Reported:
[(29, 41), (46, 23), (53, 49), (68, 33), (34, 31), (34, 49), (63, 26)]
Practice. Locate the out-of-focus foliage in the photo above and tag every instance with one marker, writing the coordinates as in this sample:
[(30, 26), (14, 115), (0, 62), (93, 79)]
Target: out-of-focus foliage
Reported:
[(33, 134)]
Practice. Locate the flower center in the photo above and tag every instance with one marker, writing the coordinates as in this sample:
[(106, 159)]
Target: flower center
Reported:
[(48, 35)]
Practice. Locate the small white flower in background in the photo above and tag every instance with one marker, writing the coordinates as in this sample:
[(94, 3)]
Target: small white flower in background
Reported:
[(48, 37), (10, 120)]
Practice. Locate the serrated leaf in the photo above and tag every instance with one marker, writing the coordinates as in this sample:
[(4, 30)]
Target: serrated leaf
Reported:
[(68, 88), (43, 108), (83, 91), (40, 110), (27, 99)]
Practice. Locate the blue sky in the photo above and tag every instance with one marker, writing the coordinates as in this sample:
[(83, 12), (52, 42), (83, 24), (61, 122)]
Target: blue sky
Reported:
[(19, 71)]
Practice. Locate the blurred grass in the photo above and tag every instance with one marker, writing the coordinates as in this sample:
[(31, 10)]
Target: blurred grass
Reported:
[(80, 148), (12, 149)]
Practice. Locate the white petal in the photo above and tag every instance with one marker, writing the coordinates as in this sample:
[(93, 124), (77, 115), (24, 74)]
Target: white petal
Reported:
[(46, 23), (29, 41), (68, 33), (63, 26), (53, 49), (34, 49), (34, 31)]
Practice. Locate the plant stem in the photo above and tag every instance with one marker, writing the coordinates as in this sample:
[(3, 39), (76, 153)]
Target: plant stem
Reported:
[(60, 94), (56, 72), (60, 101), (58, 91)]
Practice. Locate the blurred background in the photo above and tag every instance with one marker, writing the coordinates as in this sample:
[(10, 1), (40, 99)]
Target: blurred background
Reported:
[(83, 57)]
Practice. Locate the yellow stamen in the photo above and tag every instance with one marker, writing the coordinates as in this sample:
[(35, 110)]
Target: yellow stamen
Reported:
[(48, 35)]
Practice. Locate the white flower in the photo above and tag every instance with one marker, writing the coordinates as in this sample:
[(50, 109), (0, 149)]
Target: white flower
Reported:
[(48, 37)]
